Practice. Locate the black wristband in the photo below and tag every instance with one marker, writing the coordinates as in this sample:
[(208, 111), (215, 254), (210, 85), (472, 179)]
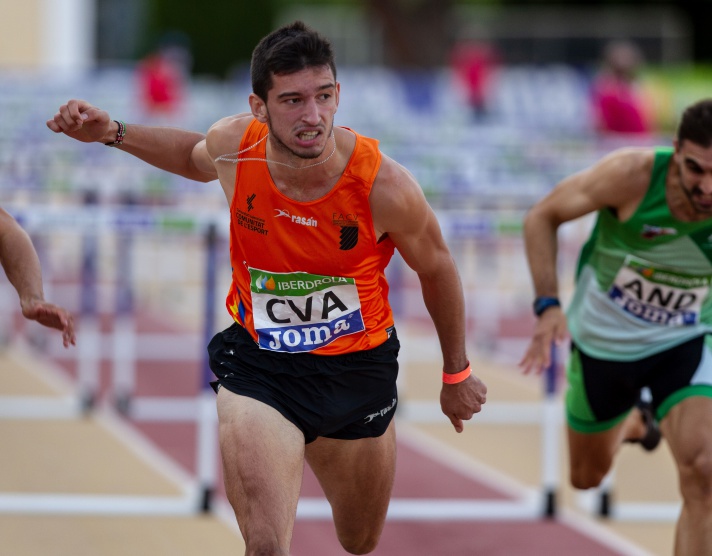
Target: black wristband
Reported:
[(541, 304), (119, 135)]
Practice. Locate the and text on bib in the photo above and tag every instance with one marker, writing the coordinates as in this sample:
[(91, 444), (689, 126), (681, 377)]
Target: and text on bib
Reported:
[(659, 295)]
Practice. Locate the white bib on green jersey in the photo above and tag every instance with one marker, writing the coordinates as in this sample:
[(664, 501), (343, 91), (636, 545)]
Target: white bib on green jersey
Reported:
[(642, 285)]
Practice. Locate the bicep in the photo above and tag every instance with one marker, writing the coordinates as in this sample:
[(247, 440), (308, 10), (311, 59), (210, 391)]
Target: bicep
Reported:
[(202, 162)]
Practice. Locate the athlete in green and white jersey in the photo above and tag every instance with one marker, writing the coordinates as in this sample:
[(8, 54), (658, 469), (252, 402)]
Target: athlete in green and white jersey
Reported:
[(640, 313), (642, 284)]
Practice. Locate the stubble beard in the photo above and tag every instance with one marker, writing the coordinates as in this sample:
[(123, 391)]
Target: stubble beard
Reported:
[(282, 147), (692, 195)]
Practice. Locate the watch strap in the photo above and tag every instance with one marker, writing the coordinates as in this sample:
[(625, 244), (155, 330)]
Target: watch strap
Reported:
[(543, 303)]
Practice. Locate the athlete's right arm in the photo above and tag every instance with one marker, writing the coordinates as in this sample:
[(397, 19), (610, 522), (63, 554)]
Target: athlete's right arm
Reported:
[(175, 150), (617, 182)]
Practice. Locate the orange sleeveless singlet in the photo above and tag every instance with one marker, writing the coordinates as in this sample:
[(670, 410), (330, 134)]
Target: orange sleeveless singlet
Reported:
[(308, 276)]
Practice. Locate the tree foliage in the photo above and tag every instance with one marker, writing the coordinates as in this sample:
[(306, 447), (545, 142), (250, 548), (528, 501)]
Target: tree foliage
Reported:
[(221, 33)]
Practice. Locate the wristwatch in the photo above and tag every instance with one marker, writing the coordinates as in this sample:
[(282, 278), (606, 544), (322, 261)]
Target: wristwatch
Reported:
[(541, 304)]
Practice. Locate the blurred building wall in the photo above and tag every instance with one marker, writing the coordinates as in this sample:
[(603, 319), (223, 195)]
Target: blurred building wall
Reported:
[(47, 34), (20, 33)]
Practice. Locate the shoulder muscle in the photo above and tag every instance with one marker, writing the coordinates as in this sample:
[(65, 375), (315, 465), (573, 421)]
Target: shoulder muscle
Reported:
[(224, 136), (397, 202), (618, 181)]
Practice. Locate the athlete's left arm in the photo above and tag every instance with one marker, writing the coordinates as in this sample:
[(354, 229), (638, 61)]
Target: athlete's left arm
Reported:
[(401, 211)]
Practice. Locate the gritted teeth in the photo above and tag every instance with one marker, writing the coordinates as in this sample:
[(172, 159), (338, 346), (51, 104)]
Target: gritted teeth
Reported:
[(308, 135)]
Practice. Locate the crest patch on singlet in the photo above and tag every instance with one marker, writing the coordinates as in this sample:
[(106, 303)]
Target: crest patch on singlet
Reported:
[(348, 234)]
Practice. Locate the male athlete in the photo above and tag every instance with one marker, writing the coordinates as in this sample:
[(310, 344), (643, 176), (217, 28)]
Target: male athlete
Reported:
[(641, 312), (308, 370)]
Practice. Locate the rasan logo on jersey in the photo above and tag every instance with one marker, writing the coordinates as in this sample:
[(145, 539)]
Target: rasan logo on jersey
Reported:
[(303, 220)]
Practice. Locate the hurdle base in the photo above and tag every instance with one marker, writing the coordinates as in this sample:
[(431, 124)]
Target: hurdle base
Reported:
[(550, 504), (604, 504), (206, 499)]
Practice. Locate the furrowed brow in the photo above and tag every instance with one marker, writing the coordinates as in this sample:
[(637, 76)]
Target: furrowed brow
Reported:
[(288, 94)]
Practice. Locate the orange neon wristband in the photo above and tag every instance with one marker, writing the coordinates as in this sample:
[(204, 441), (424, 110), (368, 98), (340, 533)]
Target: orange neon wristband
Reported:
[(454, 378)]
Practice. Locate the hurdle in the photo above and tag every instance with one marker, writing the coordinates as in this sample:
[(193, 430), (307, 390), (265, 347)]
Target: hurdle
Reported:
[(197, 492), (124, 333), (601, 502), (199, 496), (90, 325), (546, 413)]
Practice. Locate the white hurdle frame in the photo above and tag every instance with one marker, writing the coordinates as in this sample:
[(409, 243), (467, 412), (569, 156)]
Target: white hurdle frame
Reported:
[(599, 502), (197, 496), (602, 503), (197, 492), (546, 413)]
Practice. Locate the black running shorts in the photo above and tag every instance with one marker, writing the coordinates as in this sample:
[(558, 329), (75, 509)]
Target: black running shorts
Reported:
[(346, 396), (601, 393)]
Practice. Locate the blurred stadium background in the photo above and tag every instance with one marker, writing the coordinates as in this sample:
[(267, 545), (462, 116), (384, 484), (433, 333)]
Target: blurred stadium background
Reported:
[(124, 246)]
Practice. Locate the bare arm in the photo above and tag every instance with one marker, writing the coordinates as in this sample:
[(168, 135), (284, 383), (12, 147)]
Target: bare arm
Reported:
[(175, 150), (618, 182), (22, 267), (400, 210)]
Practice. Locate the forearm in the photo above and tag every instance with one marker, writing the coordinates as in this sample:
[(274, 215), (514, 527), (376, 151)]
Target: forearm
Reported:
[(541, 244), (444, 300), (167, 148)]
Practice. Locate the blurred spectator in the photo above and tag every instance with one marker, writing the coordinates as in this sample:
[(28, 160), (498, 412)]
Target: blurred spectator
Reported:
[(618, 103), (473, 64), (162, 76)]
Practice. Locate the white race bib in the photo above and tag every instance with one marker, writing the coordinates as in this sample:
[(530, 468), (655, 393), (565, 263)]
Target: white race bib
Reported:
[(659, 295), (298, 312)]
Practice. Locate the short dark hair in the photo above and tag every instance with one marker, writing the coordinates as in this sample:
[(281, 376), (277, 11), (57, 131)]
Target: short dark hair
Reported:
[(696, 124), (289, 49)]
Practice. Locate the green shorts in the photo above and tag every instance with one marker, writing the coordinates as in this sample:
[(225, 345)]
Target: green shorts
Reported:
[(601, 393)]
